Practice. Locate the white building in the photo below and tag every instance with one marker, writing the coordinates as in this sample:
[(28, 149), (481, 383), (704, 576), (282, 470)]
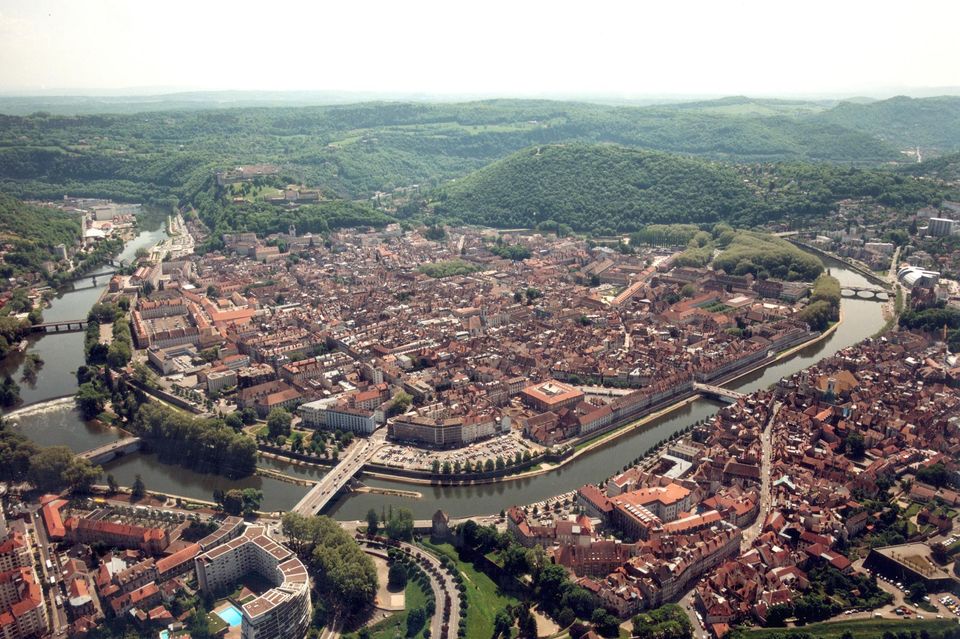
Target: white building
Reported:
[(284, 611), (328, 414)]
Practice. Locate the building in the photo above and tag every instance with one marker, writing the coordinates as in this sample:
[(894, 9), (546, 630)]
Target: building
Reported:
[(284, 611), (551, 395), (25, 612), (329, 414), (916, 277), (908, 564), (152, 541), (940, 226)]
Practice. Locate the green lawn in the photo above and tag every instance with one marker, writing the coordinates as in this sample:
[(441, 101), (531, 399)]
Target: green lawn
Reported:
[(861, 628), (414, 597), (484, 597), (215, 623)]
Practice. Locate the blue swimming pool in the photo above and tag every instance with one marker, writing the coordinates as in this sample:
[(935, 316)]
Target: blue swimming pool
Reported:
[(164, 634), (231, 615)]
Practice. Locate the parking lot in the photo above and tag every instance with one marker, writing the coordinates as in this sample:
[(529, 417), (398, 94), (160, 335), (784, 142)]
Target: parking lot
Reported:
[(404, 456)]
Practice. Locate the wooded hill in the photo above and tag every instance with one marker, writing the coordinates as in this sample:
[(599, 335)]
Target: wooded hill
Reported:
[(595, 187)]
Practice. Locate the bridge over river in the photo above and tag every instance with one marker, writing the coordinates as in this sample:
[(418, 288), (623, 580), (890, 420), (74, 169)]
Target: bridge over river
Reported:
[(341, 475), (103, 454), (866, 292)]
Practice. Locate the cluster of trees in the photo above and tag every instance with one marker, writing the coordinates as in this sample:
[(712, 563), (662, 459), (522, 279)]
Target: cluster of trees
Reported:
[(448, 268), (515, 252), (205, 445), (238, 501), (395, 524), (765, 255), (824, 304), (9, 392), (666, 622), (340, 569), (935, 475), (831, 592), (12, 331), (665, 234), (50, 468)]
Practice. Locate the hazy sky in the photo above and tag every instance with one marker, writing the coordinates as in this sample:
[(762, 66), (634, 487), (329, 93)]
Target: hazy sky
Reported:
[(651, 47)]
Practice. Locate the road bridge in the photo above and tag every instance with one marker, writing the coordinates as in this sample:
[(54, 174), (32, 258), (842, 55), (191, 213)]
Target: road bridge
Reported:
[(103, 454), (718, 392), (339, 476)]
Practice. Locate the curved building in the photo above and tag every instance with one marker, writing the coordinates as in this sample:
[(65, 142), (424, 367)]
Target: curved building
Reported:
[(284, 611)]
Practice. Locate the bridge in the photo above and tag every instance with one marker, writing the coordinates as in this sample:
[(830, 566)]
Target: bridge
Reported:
[(103, 454), (63, 326), (865, 292), (339, 476), (718, 392)]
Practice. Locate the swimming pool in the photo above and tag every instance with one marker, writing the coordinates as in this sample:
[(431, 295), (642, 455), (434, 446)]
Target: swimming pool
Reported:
[(164, 634), (231, 615)]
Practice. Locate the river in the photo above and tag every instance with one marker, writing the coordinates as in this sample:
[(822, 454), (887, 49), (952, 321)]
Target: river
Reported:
[(59, 424)]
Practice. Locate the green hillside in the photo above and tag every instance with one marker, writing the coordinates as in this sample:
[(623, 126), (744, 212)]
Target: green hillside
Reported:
[(608, 188), (595, 187), (932, 123), (31, 232)]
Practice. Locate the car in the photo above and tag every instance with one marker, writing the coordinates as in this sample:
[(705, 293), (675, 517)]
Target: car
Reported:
[(919, 616)]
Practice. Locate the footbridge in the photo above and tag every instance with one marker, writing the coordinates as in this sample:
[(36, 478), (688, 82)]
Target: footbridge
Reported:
[(718, 392), (103, 454), (336, 480)]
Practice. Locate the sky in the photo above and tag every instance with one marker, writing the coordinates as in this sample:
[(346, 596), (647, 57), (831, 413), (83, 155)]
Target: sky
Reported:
[(494, 47)]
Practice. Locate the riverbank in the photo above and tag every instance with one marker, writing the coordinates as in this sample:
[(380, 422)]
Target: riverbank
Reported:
[(590, 445)]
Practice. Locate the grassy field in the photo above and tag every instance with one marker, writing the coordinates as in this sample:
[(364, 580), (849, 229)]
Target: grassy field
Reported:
[(396, 625), (484, 598), (860, 628)]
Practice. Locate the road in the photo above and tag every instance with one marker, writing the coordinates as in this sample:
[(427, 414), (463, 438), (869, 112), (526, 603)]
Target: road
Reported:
[(766, 444), (58, 617)]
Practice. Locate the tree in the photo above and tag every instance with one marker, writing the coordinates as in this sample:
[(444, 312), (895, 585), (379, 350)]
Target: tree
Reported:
[(397, 575), (278, 423), (112, 485), (48, 466), (233, 501), (9, 392), (527, 624), (250, 500), (502, 623), (248, 415), (515, 560), (940, 553), (90, 400), (373, 522), (399, 525), (856, 445), (138, 490), (605, 623), (415, 620), (234, 421), (80, 475)]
